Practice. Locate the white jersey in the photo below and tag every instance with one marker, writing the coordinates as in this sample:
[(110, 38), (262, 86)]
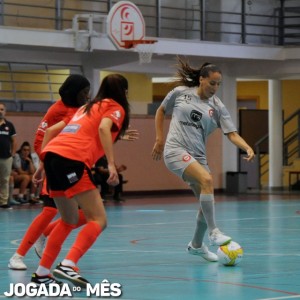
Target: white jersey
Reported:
[(193, 119)]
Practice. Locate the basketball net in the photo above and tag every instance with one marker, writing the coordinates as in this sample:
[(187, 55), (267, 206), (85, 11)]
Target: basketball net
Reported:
[(145, 49)]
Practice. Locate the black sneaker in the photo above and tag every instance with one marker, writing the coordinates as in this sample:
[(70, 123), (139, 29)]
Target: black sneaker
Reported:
[(71, 274), (46, 280), (6, 206), (22, 200)]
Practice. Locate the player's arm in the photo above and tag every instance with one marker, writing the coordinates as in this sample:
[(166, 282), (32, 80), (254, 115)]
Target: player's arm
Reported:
[(237, 140), (159, 129), (52, 132), (107, 143)]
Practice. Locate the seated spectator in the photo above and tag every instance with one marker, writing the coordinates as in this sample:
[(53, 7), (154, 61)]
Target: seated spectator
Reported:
[(25, 164), (101, 175)]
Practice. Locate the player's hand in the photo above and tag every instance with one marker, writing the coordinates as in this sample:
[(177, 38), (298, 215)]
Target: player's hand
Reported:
[(250, 155), (113, 178), (39, 175), (157, 151), (130, 135)]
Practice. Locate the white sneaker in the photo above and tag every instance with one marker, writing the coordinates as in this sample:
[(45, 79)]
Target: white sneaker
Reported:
[(16, 262), (203, 252), (39, 245), (218, 238)]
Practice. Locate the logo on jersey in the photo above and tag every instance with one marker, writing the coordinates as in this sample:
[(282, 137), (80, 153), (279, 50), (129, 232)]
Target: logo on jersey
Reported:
[(44, 124), (211, 112), (79, 114), (116, 114), (186, 158), (195, 115)]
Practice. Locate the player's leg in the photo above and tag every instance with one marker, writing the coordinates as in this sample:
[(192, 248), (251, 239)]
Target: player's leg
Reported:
[(198, 175), (93, 208), (196, 245), (33, 233), (68, 209)]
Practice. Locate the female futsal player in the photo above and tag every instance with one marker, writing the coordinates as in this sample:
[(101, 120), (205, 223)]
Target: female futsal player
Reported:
[(197, 112), (68, 159)]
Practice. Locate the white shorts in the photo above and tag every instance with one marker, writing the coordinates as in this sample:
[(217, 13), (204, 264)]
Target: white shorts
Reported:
[(178, 160)]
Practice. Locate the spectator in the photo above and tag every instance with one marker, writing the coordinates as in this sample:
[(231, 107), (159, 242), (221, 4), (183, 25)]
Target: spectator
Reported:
[(102, 174), (25, 164), (7, 151)]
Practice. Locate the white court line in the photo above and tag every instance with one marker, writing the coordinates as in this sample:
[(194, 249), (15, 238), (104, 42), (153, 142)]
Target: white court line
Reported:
[(279, 298)]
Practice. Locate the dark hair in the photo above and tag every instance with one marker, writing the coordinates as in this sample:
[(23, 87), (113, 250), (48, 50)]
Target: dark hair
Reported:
[(24, 144), (70, 89), (188, 76), (114, 87)]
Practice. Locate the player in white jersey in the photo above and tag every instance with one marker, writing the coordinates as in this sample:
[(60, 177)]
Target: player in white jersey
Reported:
[(196, 113)]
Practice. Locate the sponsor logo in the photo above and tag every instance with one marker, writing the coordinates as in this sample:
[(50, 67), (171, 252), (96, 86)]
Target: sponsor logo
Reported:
[(211, 112), (79, 114), (116, 114), (72, 177), (44, 124), (190, 124), (73, 128), (195, 115), (186, 158)]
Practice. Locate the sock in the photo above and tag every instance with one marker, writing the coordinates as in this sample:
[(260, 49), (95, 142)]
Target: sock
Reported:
[(36, 228), (81, 218), (208, 207), (41, 271), (200, 230), (81, 221), (69, 263), (50, 227), (85, 239), (54, 243)]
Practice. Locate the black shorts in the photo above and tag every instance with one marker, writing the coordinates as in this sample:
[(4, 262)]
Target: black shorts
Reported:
[(62, 173)]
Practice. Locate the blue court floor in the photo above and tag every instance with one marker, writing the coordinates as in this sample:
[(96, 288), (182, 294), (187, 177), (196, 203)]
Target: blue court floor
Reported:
[(144, 249)]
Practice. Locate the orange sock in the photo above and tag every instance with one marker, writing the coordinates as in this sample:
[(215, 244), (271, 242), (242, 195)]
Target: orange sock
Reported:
[(50, 227), (85, 239), (81, 221), (36, 228), (81, 218), (54, 243)]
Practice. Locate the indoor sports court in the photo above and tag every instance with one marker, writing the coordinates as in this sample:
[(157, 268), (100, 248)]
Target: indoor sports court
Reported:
[(143, 249), (256, 44)]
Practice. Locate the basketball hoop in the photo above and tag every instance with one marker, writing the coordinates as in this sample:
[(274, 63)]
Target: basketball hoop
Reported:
[(144, 48)]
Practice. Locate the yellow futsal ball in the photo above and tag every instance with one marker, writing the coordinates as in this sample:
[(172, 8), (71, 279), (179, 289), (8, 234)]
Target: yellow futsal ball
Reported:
[(230, 254)]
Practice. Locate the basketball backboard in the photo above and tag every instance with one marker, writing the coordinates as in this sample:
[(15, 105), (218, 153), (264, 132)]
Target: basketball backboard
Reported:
[(125, 22)]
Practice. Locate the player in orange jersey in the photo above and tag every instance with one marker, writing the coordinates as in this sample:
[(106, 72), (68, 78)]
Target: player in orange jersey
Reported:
[(74, 93), (91, 133)]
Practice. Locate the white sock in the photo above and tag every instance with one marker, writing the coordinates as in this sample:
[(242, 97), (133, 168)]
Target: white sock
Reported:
[(208, 207), (42, 271), (18, 255), (200, 230), (68, 263)]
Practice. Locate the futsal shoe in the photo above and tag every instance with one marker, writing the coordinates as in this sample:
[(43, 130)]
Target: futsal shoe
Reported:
[(203, 252), (46, 280), (40, 245), (71, 274), (218, 238), (16, 263)]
